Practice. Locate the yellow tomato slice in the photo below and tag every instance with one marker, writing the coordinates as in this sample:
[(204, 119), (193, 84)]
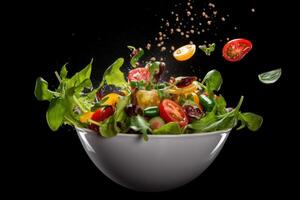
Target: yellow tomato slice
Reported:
[(85, 117), (113, 99), (184, 53)]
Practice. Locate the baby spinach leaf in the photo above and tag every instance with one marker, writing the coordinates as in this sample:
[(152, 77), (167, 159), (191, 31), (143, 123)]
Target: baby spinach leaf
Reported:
[(200, 124), (251, 120), (170, 128), (213, 79)]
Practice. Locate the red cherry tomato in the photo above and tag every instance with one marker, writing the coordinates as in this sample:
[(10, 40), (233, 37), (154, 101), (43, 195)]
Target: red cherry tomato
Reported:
[(139, 74), (236, 49), (172, 112)]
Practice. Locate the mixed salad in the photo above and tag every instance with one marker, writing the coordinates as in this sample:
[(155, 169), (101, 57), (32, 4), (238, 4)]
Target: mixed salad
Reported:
[(142, 102)]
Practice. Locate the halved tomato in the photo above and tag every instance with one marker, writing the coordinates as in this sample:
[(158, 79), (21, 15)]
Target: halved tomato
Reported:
[(236, 49), (139, 74), (172, 112)]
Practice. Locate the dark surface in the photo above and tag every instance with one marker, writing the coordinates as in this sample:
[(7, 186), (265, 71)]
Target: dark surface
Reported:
[(53, 34)]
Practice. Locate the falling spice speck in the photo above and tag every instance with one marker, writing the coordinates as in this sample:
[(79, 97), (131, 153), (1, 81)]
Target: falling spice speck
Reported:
[(148, 46), (253, 10), (209, 22), (223, 19), (163, 49)]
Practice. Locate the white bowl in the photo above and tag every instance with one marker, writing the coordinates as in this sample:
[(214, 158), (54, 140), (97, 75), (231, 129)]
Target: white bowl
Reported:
[(162, 163)]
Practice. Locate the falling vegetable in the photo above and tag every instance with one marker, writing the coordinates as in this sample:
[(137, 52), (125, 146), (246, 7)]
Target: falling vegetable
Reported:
[(208, 50), (270, 76)]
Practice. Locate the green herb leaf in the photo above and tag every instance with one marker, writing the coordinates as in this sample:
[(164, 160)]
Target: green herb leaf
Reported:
[(107, 128), (214, 80), (221, 104), (137, 56), (201, 124), (138, 123), (154, 69), (113, 75), (80, 77), (251, 120), (63, 72), (208, 50), (170, 128), (120, 115), (55, 113), (270, 77), (41, 91)]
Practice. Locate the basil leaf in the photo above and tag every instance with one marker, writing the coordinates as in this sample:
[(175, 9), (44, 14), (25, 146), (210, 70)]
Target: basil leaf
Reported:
[(213, 79), (41, 91), (55, 113), (270, 77), (113, 75), (171, 128)]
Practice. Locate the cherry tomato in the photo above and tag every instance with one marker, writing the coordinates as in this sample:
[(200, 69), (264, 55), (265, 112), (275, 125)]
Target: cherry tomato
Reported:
[(236, 49), (139, 74), (172, 112)]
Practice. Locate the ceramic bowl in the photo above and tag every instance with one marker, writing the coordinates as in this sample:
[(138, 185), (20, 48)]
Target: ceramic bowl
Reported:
[(162, 163)]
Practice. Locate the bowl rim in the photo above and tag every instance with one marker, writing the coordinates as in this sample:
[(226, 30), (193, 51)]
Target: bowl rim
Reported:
[(161, 136)]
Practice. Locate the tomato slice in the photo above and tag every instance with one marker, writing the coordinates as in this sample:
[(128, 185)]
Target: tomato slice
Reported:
[(236, 49), (185, 52), (139, 74), (172, 112)]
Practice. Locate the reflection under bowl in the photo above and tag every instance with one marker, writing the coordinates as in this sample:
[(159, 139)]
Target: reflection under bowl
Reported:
[(162, 163)]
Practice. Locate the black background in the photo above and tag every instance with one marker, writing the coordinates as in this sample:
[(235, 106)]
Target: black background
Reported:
[(50, 34)]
